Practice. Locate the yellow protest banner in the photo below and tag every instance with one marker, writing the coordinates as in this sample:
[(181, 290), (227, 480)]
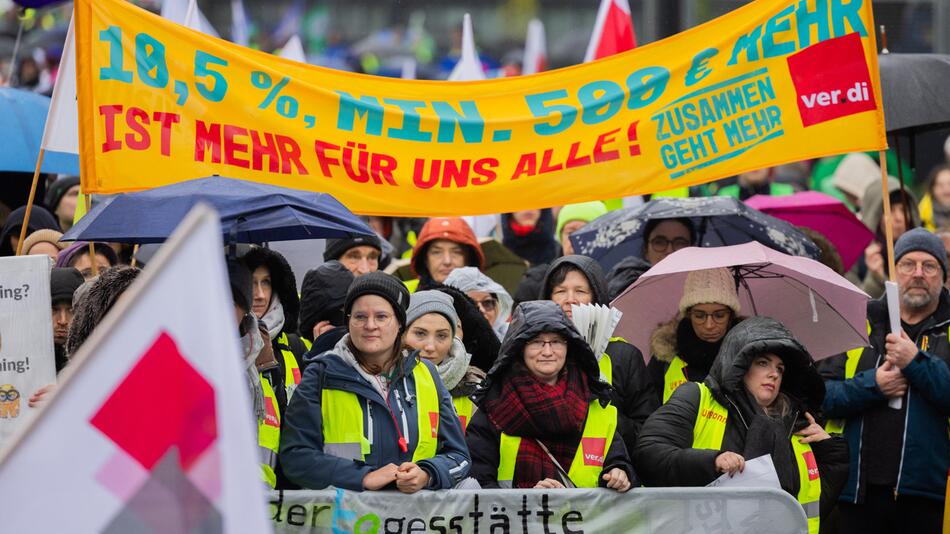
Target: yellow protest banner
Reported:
[(772, 82)]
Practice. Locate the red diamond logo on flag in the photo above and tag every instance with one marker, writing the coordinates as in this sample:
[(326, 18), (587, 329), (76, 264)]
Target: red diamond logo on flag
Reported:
[(162, 402)]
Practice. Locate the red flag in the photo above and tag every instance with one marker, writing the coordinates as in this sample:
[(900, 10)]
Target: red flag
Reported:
[(613, 30)]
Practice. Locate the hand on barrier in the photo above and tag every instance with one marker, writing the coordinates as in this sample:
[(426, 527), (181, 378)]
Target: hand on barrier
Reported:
[(890, 380), (813, 432), (900, 351), (617, 479), (411, 478), (380, 478), (41, 395), (549, 483), (730, 462)]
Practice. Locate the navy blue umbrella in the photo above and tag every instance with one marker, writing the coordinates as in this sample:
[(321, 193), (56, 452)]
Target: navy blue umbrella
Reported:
[(250, 213), (718, 221)]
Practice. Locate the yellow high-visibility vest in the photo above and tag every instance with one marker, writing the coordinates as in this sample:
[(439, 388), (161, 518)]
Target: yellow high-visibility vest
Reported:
[(674, 377), (268, 434), (464, 408), (343, 420), (589, 458), (291, 369), (708, 432)]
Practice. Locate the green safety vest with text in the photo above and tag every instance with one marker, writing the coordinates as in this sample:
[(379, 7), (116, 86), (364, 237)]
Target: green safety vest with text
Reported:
[(343, 420), (589, 458), (674, 377), (463, 408), (708, 433), (268, 434)]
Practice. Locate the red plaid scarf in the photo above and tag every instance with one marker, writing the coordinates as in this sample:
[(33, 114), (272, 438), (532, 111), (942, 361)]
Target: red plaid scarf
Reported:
[(554, 415)]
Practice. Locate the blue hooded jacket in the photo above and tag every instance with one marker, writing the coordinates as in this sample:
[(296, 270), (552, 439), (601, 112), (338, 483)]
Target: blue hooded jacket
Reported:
[(301, 440), (925, 449)]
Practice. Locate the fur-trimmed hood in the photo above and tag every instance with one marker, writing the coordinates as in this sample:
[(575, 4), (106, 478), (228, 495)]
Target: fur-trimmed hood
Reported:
[(663, 340), (97, 302)]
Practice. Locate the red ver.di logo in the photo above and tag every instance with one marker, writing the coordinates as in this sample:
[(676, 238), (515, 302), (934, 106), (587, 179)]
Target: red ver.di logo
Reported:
[(831, 80)]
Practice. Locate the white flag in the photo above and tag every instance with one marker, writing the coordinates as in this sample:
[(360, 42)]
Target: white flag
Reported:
[(293, 50), (186, 12), (469, 66), (151, 429), (535, 49), (61, 133)]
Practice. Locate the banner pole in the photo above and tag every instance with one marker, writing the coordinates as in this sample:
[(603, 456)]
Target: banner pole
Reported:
[(888, 231), (92, 247), (29, 203), (135, 250)]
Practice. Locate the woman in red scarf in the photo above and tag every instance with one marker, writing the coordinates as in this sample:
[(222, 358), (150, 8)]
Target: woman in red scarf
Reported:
[(545, 418)]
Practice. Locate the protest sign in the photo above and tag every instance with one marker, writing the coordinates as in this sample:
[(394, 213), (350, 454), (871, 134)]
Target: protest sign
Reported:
[(151, 428), (26, 338), (642, 510), (772, 82)]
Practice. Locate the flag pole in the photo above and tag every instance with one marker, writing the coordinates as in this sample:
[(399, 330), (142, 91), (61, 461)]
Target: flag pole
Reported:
[(888, 231), (29, 203), (135, 250), (92, 246)]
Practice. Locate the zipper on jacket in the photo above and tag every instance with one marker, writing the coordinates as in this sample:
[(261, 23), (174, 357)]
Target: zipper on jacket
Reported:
[(369, 419), (405, 421)]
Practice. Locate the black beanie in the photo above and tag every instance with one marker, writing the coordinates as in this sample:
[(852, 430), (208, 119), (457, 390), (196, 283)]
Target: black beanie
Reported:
[(336, 248), (384, 285), (63, 282), (57, 190), (242, 284), (322, 296)]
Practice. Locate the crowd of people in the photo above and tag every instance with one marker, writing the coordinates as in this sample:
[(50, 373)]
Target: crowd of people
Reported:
[(453, 372)]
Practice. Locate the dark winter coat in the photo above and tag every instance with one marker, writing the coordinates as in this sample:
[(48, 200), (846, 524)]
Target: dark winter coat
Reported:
[(664, 456), (925, 453), (636, 397), (39, 219), (529, 320), (539, 246), (301, 439), (93, 307)]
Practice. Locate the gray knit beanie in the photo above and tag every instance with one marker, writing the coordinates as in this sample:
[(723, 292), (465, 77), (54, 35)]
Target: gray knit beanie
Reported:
[(920, 239), (424, 302)]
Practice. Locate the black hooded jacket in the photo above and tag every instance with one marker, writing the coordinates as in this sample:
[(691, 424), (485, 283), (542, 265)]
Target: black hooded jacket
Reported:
[(40, 218), (478, 336), (539, 245), (664, 455), (528, 321), (322, 296), (637, 398)]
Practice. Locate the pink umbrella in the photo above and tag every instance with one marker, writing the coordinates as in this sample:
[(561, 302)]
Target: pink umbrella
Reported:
[(822, 213), (826, 312)]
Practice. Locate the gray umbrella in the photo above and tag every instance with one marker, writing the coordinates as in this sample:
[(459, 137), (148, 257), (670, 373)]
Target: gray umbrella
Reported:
[(914, 90)]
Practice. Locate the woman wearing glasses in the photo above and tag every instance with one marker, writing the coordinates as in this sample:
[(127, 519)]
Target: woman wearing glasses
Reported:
[(544, 418), (684, 348), (369, 416)]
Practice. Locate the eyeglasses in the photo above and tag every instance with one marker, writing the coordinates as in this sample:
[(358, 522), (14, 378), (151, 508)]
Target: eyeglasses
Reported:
[(379, 319), (537, 345), (907, 267), (661, 243), (718, 316), (487, 305)]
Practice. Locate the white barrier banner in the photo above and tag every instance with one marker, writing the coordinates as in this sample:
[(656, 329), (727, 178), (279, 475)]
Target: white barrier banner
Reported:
[(666, 510), (26, 338)]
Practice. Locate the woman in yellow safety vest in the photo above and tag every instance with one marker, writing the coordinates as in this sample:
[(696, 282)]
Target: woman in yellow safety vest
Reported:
[(367, 414), (544, 418), (684, 348), (433, 332), (757, 400)]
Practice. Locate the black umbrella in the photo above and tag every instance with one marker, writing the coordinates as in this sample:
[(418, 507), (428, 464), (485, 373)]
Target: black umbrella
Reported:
[(718, 221)]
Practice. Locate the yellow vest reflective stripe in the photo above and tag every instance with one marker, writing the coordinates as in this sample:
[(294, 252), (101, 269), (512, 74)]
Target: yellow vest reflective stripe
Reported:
[(836, 426), (673, 378), (291, 369), (343, 420), (708, 432), (588, 463), (268, 434), (464, 408)]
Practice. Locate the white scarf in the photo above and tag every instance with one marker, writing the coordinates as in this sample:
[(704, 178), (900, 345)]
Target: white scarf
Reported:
[(251, 344), (453, 367), (274, 318)]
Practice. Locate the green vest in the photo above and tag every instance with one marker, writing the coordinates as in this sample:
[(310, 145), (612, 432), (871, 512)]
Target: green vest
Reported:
[(268, 434), (463, 408), (606, 365), (291, 369), (589, 458), (710, 428), (343, 420), (673, 378)]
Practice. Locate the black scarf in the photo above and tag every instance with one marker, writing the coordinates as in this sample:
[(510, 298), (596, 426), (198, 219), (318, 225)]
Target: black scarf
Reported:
[(697, 354)]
